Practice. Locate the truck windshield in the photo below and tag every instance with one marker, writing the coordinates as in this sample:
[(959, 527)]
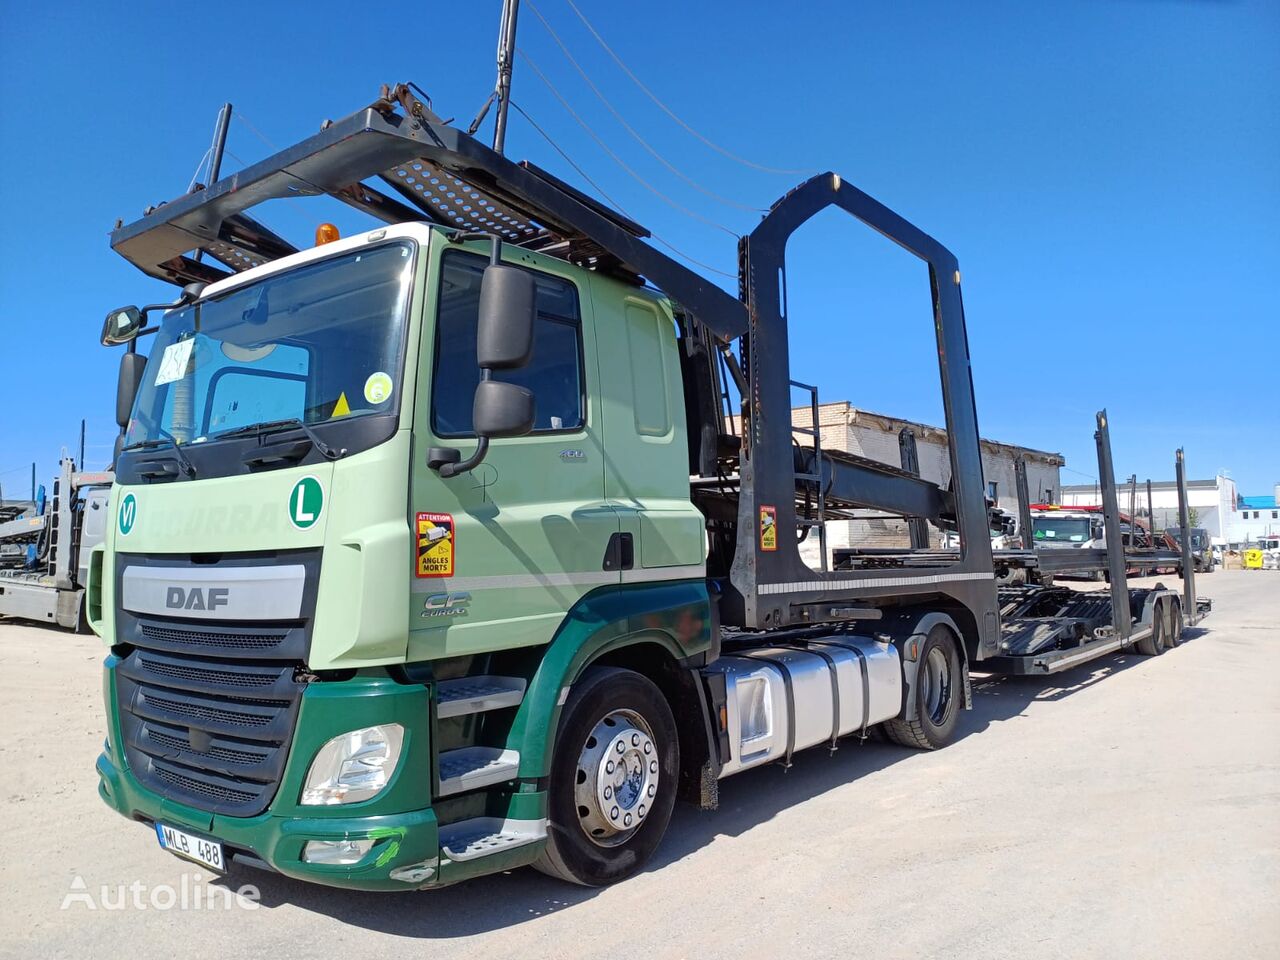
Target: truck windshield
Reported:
[(319, 343), (1060, 529)]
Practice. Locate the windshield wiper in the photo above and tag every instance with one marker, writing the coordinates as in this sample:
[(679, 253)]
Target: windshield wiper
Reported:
[(278, 426), (168, 439)]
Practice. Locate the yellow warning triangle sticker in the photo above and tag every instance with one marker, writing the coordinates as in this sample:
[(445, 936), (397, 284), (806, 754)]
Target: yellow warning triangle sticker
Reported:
[(341, 408)]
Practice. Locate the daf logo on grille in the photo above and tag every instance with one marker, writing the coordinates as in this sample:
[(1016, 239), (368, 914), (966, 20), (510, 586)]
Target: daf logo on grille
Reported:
[(196, 598)]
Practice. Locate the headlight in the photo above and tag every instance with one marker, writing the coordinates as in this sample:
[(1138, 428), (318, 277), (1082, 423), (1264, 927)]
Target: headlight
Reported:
[(354, 766)]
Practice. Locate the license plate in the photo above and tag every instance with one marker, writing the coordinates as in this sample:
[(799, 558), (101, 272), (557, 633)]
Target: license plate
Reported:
[(208, 852)]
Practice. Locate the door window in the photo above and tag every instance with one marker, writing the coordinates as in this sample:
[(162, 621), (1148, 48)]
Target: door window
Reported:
[(554, 372)]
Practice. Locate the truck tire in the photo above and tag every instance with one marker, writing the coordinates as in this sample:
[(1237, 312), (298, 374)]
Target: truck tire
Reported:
[(1152, 645), (1174, 637), (938, 692), (614, 772)]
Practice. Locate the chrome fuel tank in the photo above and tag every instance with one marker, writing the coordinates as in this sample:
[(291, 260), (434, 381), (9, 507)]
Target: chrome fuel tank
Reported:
[(783, 698)]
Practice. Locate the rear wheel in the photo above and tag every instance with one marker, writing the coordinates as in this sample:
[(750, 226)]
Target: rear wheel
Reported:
[(1174, 636), (937, 692), (1152, 645), (613, 778)]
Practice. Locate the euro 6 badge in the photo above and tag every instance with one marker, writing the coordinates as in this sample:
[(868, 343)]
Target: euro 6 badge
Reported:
[(435, 545)]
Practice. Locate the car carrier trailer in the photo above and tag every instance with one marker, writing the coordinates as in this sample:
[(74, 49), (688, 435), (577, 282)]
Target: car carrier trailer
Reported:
[(433, 552), (43, 577)]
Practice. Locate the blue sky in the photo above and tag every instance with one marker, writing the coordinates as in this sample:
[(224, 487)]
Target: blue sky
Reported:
[(1108, 174)]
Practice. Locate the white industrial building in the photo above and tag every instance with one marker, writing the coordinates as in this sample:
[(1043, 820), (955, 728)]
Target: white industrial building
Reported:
[(1211, 500), (1216, 504), (1254, 517), (875, 436)]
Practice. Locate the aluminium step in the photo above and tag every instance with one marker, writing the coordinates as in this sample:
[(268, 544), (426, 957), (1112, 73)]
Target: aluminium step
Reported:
[(469, 768), (483, 836), (466, 695)]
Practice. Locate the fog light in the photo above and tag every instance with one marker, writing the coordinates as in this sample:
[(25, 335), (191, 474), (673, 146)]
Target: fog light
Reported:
[(340, 852), (354, 766)]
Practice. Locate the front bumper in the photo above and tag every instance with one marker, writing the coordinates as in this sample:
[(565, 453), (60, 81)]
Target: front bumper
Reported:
[(405, 852)]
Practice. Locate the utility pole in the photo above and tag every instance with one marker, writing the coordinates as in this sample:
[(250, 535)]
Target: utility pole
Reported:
[(506, 58), (81, 460)]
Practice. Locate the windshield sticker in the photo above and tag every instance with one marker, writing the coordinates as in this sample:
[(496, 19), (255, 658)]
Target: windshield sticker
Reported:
[(174, 362), (377, 389), (435, 545), (306, 501), (768, 528), (341, 408)]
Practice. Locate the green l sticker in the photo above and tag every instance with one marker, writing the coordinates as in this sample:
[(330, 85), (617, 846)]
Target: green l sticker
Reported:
[(128, 513), (305, 502)]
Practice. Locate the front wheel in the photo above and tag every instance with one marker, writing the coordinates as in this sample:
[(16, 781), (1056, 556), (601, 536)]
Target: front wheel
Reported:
[(613, 778), (937, 692)]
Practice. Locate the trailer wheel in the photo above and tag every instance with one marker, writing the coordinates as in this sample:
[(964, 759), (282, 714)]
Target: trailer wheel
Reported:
[(1174, 637), (614, 772), (1152, 645), (938, 692)]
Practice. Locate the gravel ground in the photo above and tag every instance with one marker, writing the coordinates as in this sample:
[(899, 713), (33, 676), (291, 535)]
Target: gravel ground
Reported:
[(1127, 808)]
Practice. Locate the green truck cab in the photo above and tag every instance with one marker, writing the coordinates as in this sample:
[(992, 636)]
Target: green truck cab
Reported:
[(331, 659)]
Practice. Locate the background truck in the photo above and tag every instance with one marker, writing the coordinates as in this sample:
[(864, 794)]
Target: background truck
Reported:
[(1057, 527), (44, 560), (1201, 547), (1264, 554), (433, 551)]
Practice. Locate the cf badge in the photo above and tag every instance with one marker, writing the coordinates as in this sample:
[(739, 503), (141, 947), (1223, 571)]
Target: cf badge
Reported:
[(435, 545), (446, 605)]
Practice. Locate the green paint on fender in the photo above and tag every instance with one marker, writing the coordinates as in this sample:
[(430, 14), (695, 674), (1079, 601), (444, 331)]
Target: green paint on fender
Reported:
[(675, 616)]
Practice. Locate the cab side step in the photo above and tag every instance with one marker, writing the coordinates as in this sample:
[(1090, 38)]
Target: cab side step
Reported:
[(481, 836), (466, 695), (469, 768)]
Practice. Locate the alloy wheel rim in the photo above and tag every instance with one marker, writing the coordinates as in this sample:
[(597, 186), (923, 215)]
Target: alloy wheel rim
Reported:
[(617, 776)]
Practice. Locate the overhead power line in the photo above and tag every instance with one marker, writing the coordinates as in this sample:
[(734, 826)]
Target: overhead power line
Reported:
[(569, 160), (617, 159), (630, 129), (255, 131), (671, 113), (617, 206)]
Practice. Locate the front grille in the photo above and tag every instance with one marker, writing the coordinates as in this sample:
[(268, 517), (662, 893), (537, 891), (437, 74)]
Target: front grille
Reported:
[(213, 791), (202, 712), (212, 638), (180, 744), (229, 678), (209, 732)]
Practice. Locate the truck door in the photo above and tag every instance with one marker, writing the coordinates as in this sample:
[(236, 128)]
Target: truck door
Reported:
[(503, 552), (646, 475)]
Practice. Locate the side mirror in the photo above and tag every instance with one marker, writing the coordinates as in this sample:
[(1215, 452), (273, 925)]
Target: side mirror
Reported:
[(121, 326), (502, 410), (130, 378), (508, 308)]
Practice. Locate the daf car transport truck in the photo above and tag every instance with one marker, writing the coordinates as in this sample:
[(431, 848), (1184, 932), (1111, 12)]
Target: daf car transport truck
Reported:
[(432, 552)]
